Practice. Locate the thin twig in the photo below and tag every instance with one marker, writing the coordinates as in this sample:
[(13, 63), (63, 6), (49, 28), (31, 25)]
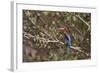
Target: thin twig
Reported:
[(79, 49), (43, 39), (78, 16)]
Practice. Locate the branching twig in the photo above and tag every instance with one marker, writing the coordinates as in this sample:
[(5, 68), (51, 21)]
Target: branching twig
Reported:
[(43, 39), (79, 49), (78, 16)]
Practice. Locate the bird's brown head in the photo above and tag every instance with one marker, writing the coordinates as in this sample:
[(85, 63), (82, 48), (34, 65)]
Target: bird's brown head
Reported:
[(64, 30)]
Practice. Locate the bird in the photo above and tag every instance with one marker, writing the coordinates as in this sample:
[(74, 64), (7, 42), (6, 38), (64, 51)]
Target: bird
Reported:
[(67, 38)]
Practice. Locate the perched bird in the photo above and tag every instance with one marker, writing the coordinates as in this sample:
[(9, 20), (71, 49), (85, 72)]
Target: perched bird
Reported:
[(67, 38)]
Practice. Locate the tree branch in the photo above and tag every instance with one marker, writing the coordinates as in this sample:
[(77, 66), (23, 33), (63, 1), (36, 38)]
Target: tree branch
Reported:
[(78, 16), (43, 39), (79, 50)]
